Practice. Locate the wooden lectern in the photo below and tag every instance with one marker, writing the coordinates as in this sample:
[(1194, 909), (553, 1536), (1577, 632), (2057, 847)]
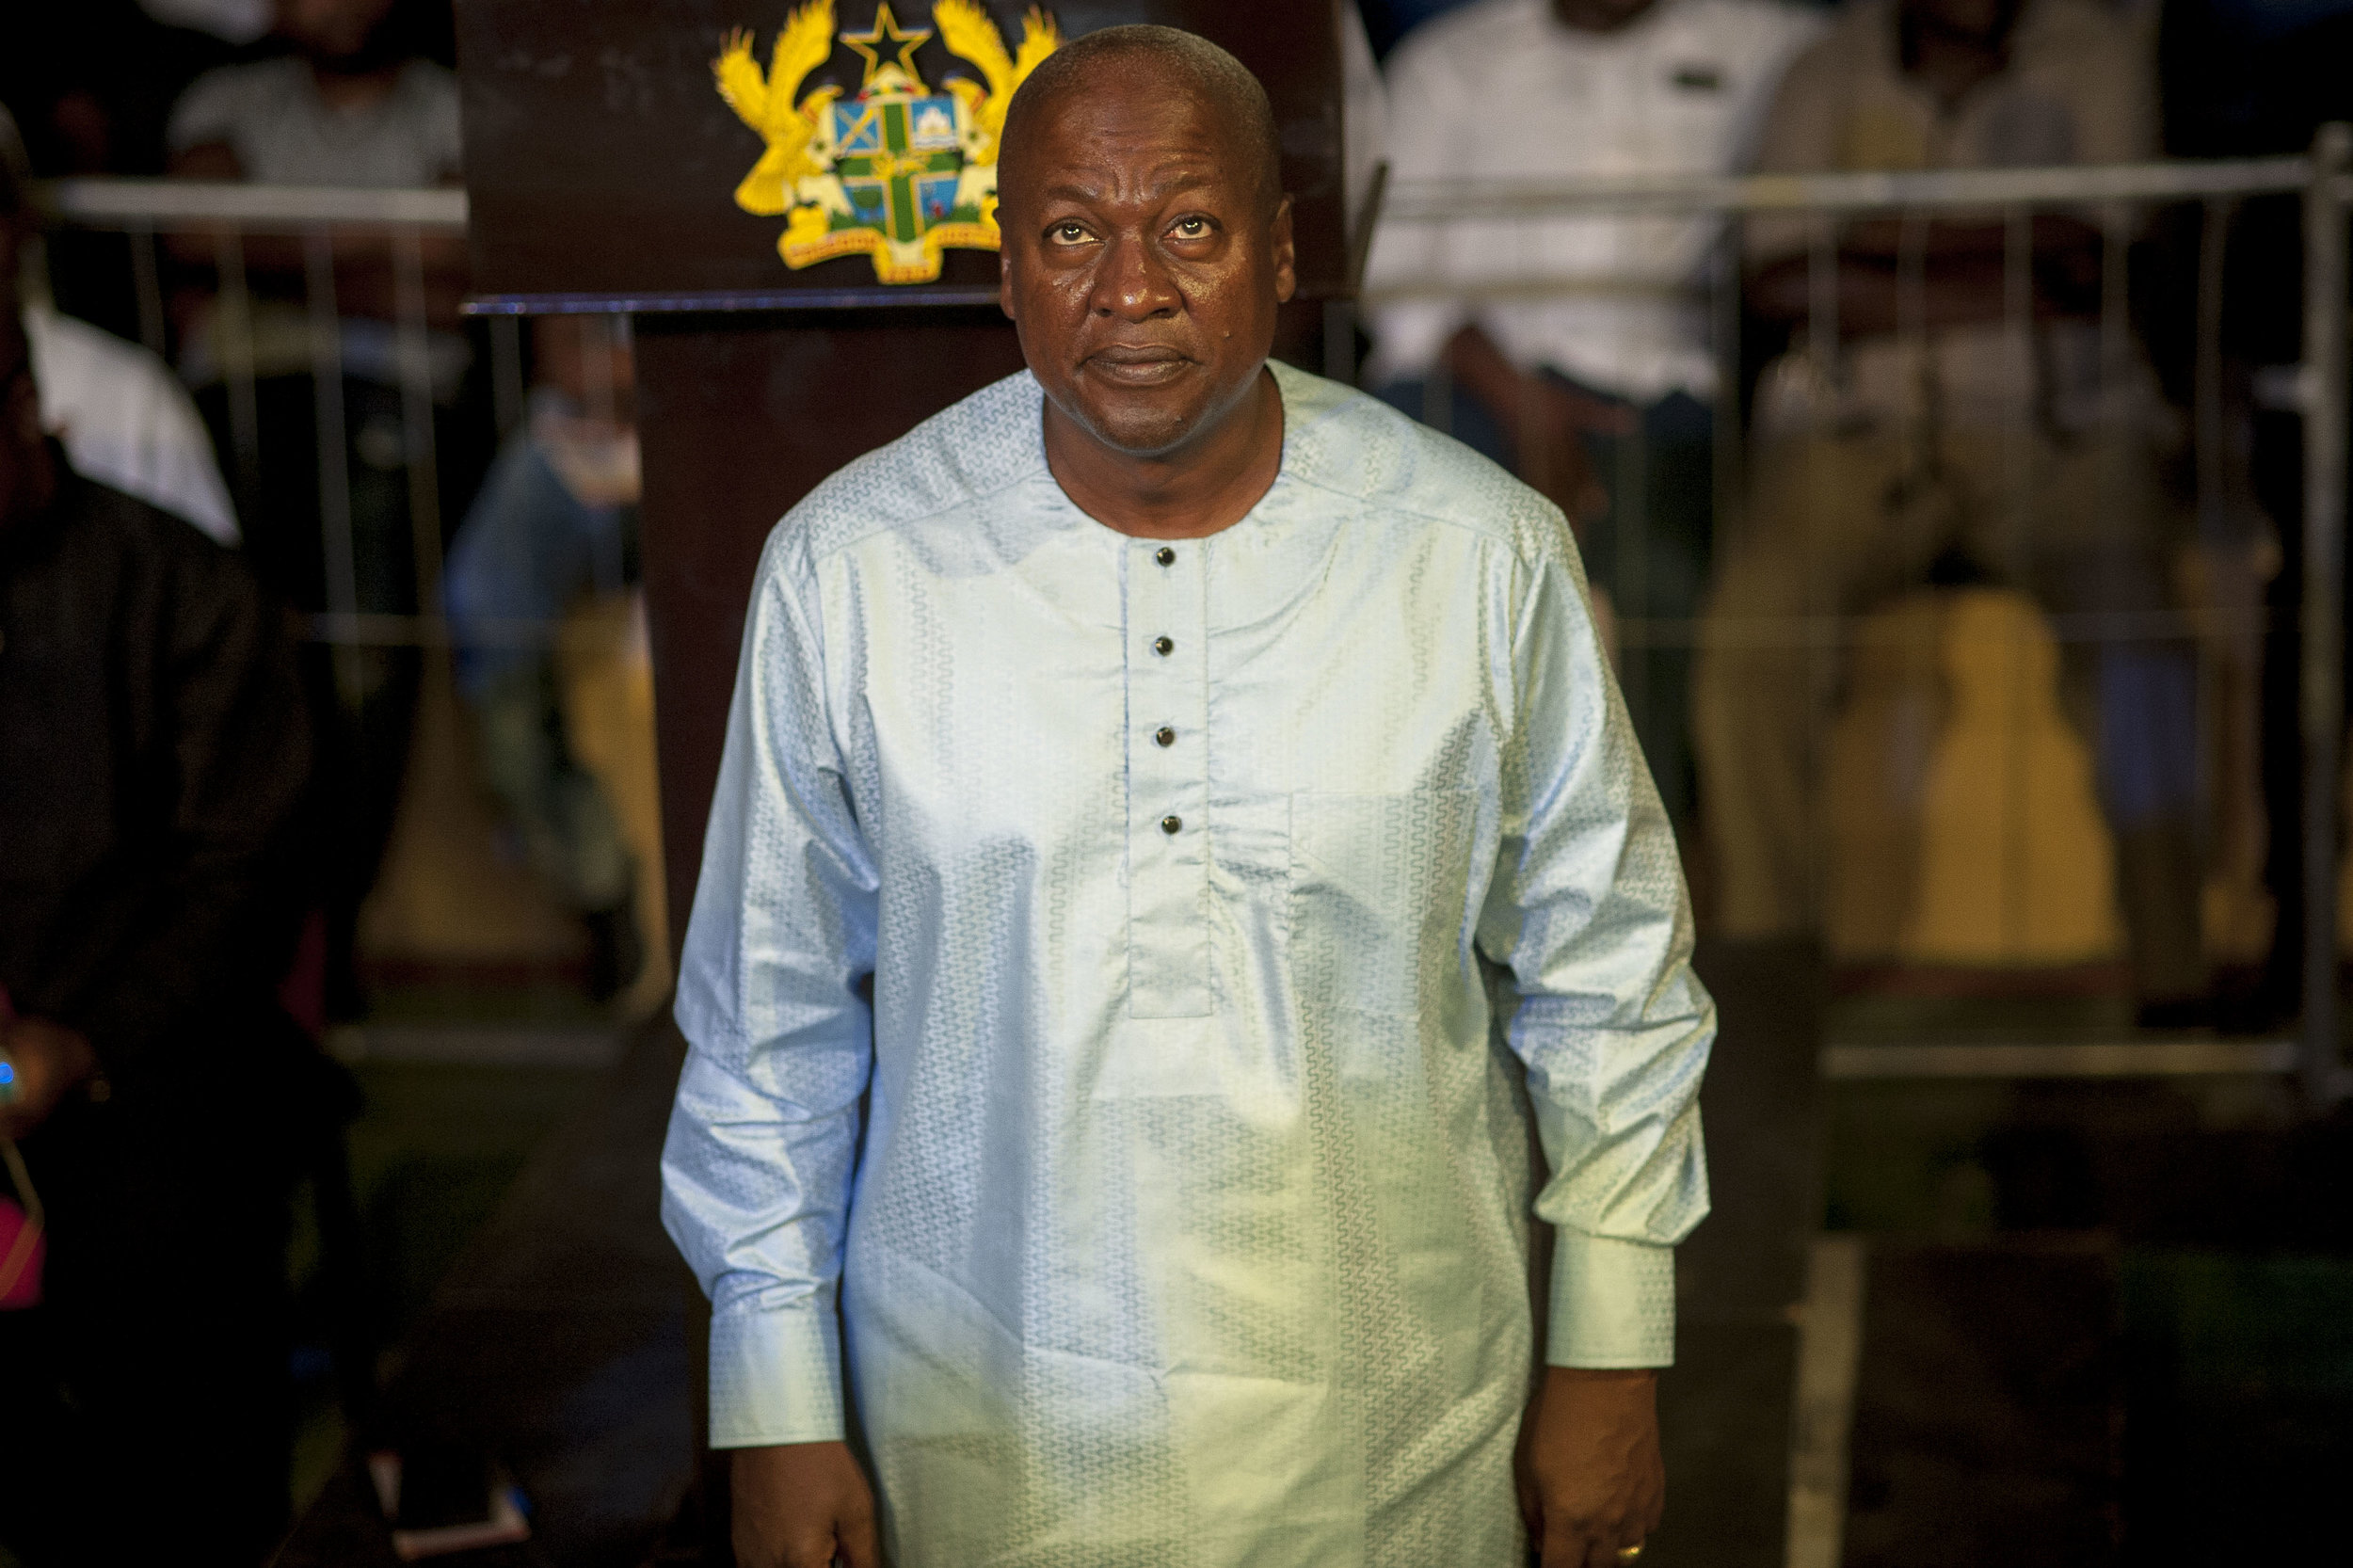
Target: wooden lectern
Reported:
[(602, 167)]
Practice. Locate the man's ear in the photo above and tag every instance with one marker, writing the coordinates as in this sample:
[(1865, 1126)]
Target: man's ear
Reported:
[(1285, 253), (1004, 262)]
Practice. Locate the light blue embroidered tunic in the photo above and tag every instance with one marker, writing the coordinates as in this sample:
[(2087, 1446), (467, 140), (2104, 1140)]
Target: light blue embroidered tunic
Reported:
[(1125, 974)]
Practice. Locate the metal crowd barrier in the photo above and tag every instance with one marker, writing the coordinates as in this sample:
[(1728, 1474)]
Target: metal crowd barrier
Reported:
[(321, 219), (327, 221), (2119, 196)]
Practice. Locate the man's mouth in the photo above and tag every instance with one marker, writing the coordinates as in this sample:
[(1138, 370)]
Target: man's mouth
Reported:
[(1140, 365)]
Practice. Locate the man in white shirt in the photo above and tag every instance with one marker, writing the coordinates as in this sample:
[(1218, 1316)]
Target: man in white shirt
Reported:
[(122, 417), (1178, 837), (1596, 394)]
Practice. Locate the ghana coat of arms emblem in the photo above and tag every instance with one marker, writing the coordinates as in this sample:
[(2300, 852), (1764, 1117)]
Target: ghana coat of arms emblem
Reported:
[(897, 171)]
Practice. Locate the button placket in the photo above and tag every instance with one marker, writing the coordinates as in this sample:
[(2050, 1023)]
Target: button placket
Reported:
[(1168, 954)]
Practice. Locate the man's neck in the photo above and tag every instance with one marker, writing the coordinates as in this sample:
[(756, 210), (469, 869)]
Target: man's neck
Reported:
[(1202, 487)]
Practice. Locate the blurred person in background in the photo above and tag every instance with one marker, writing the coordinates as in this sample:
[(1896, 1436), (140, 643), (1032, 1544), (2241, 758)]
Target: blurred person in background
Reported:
[(90, 85), (353, 102), (123, 416), (1938, 441), (1598, 395), (151, 831), (555, 524)]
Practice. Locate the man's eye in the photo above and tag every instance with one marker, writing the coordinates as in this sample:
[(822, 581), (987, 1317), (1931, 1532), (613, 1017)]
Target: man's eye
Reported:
[(1190, 228), (1069, 234)]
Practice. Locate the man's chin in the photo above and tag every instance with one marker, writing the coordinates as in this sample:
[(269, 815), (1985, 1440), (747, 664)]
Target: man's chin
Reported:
[(1137, 426)]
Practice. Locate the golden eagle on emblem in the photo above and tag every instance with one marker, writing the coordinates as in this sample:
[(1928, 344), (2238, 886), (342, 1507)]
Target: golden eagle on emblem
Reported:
[(897, 171)]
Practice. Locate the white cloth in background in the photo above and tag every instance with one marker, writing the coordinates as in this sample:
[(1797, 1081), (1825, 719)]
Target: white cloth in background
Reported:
[(270, 114), (1503, 90), (1115, 970), (125, 421)]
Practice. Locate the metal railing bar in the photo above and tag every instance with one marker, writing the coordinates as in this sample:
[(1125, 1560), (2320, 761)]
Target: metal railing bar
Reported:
[(387, 630), (1727, 476), (2018, 452), (95, 202), (1439, 201), (1831, 630), (146, 281), (2322, 678), (2071, 1059), (331, 440), (233, 345), (416, 420), (2117, 222), (1824, 361), (2206, 376)]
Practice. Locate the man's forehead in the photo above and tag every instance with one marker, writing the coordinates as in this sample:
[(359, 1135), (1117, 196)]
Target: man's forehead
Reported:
[(1192, 163), (1166, 137), (1133, 104)]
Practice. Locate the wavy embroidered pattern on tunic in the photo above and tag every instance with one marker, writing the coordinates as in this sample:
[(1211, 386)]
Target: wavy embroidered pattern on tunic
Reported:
[(1228, 907)]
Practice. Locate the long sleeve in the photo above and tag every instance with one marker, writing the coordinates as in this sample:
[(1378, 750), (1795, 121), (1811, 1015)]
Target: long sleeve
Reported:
[(772, 999), (1588, 916)]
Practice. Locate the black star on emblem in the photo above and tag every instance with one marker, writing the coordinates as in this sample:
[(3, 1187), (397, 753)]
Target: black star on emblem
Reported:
[(870, 44)]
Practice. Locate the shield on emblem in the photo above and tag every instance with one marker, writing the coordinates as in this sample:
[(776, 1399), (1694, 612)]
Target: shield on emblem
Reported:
[(895, 182)]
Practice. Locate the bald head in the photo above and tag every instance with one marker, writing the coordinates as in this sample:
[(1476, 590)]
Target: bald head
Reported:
[(1143, 59)]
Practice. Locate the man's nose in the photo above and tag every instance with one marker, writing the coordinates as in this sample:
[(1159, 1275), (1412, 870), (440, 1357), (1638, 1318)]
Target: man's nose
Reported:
[(1134, 283)]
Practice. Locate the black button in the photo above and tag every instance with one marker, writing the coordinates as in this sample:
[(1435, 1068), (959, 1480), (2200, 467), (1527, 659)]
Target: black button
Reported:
[(1166, 737), (1162, 647), (1165, 556), (1170, 824)]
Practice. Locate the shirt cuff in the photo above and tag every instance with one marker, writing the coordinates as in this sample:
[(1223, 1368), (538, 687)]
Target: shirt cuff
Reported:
[(776, 1375), (1613, 1302)]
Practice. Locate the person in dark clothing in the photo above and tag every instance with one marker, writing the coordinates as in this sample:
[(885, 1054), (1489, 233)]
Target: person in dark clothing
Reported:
[(152, 827)]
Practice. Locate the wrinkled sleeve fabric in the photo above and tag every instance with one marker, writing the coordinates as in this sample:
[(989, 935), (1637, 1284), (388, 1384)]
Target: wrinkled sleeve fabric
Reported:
[(772, 999), (1588, 917)]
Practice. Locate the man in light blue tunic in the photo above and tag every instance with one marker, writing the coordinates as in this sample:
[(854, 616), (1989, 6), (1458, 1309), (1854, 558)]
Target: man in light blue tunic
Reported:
[(1178, 834)]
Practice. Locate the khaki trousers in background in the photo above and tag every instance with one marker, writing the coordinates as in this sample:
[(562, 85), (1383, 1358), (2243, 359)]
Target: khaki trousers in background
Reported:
[(1843, 521)]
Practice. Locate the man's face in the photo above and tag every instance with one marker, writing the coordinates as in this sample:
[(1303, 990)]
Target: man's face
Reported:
[(1141, 263)]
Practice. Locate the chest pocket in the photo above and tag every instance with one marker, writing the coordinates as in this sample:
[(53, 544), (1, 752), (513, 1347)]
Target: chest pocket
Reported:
[(1378, 888)]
